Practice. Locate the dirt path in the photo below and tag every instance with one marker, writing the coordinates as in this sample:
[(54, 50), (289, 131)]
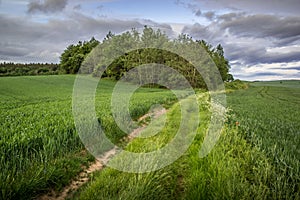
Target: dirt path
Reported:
[(99, 164)]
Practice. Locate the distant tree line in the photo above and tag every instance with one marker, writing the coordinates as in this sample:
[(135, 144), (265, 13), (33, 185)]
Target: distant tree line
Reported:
[(71, 60), (20, 69), (74, 55)]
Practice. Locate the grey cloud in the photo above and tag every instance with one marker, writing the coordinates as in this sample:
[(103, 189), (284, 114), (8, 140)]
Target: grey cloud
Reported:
[(209, 15), (281, 57), (263, 26), (198, 31), (255, 54), (27, 41), (77, 7), (287, 68), (246, 37), (193, 7), (230, 16), (12, 51), (259, 76), (198, 13), (100, 7), (46, 6), (267, 74), (19, 30), (287, 7), (246, 54)]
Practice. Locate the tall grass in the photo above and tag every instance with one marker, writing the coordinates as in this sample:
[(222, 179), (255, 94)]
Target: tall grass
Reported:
[(40, 148), (268, 114), (233, 170)]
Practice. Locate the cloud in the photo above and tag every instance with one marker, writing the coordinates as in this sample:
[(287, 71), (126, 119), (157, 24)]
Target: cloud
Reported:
[(198, 31), (259, 37), (46, 6), (23, 40), (278, 7), (272, 71), (230, 16), (11, 51), (289, 68), (209, 15), (252, 39), (263, 26), (77, 7)]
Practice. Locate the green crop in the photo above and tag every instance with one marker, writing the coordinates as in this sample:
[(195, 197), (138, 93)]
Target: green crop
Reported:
[(40, 148), (268, 115)]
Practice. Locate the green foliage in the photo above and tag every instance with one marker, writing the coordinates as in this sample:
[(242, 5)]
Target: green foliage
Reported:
[(18, 69), (235, 85), (217, 55), (146, 55), (73, 56)]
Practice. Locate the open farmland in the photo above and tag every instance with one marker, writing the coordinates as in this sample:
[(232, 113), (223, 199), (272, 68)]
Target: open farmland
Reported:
[(268, 115), (40, 148), (256, 157)]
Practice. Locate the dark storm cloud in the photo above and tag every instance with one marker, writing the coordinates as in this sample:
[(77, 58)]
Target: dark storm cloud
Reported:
[(46, 6)]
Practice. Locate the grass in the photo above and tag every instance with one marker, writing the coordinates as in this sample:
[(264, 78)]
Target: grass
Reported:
[(256, 157), (268, 114), (40, 147), (233, 170), (242, 165)]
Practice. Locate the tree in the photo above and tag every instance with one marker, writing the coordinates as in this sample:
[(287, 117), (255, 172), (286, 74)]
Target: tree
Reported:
[(115, 46), (72, 58)]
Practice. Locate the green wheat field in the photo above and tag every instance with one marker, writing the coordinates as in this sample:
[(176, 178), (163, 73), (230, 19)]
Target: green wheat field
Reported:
[(256, 157)]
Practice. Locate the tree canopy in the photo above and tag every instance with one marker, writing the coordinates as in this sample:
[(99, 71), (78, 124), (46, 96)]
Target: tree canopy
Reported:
[(74, 55)]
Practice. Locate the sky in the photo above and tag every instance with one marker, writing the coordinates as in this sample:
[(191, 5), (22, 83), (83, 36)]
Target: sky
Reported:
[(261, 39)]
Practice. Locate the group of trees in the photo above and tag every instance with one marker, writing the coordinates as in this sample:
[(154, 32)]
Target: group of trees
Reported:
[(18, 69), (74, 55)]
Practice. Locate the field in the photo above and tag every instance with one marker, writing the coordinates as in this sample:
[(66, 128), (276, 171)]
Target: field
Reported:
[(40, 148), (268, 113), (257, 155)]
